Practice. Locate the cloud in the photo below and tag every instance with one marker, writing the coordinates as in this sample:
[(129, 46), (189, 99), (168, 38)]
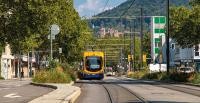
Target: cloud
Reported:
[(104, 9), (91, 7)]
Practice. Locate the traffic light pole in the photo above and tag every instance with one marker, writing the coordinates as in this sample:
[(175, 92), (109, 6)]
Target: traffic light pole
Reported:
[(167, 37), (141, 39)]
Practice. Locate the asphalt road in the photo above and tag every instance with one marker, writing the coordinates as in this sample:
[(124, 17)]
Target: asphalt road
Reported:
[(93, 92), (16, 91), (97, 91)]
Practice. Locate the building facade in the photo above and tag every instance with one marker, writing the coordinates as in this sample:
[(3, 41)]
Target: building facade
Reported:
[(15, 66), (158, 38)]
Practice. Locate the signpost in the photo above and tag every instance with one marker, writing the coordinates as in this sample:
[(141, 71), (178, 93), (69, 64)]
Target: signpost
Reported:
[(54, 31)]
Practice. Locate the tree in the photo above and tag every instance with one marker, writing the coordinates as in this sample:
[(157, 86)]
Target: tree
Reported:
[(22, 24), (74, 32), (195, 2), (27, 27), (184, 25), (147, 43)]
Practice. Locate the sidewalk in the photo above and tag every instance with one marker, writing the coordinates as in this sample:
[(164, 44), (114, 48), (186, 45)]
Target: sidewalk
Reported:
[(65, 93)]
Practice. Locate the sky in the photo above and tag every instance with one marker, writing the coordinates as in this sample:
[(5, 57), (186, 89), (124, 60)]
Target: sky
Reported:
[(89, 8)]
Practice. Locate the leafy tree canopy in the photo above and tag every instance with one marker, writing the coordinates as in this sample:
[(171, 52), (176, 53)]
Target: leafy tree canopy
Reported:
[(185, 25), (25, 26)]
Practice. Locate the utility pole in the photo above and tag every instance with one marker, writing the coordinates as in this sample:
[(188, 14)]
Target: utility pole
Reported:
[(134, 26), (51, 45), (18, 67), (141, 39), (131, 37), (167, 37), (121, 55), (124, 60), (31, 65), (28, 65), (105, 57)]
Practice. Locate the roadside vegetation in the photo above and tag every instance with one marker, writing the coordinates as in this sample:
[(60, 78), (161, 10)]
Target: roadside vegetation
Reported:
[(196, 79), (1, 78), (56, 73), (162, 76)]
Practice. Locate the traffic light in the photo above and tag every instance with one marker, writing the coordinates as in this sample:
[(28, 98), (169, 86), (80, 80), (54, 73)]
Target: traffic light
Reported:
[(130, 58), (144, 57)]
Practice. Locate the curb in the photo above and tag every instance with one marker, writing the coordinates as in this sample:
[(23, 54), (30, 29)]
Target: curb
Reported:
[(69, 99), (44, 85), (196, 85), (72, 98)]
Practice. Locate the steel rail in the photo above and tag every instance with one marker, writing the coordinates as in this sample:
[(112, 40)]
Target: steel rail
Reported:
[(109, 94), (141, 99), (133, 93)]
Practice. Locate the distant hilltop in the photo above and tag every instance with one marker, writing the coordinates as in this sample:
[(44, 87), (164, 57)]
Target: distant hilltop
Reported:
[(151, 7)]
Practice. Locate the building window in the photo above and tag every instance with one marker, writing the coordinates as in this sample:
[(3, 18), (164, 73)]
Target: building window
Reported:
[(172, 46), (156, 45), (196, 53), (156, 50), (196, 48)]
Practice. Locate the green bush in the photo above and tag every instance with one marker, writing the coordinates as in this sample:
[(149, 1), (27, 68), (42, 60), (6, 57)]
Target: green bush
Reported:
[(156, 76), (70, 70), (138, 74), (53, 64), (174, 76), (1, 78), (144, 74), (52, 76), (182, 77), (196, 79)]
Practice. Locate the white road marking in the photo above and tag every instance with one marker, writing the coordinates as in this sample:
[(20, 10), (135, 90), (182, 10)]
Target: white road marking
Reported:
[(12, 95)]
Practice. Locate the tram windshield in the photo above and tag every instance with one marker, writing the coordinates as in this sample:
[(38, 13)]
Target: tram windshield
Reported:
[(93, 62)]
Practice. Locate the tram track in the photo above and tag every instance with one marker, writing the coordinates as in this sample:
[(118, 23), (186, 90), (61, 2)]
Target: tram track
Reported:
[(188, 89), (109, 95), (115, 93), (112, 90), (120, 94)]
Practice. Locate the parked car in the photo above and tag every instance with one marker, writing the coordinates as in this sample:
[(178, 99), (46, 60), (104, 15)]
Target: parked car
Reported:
[(109, 74), (186, 69)]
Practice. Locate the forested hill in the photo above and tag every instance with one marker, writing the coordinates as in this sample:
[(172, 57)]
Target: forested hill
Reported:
[(151, 7)]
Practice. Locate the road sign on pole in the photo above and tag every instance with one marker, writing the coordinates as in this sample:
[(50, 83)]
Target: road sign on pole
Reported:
[(54, 31)]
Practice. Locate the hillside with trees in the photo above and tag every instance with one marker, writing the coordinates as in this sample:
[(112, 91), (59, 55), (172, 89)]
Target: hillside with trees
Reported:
[(150, 8)]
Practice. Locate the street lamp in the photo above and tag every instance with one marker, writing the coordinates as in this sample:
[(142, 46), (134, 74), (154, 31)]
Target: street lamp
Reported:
[(54, 31)]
